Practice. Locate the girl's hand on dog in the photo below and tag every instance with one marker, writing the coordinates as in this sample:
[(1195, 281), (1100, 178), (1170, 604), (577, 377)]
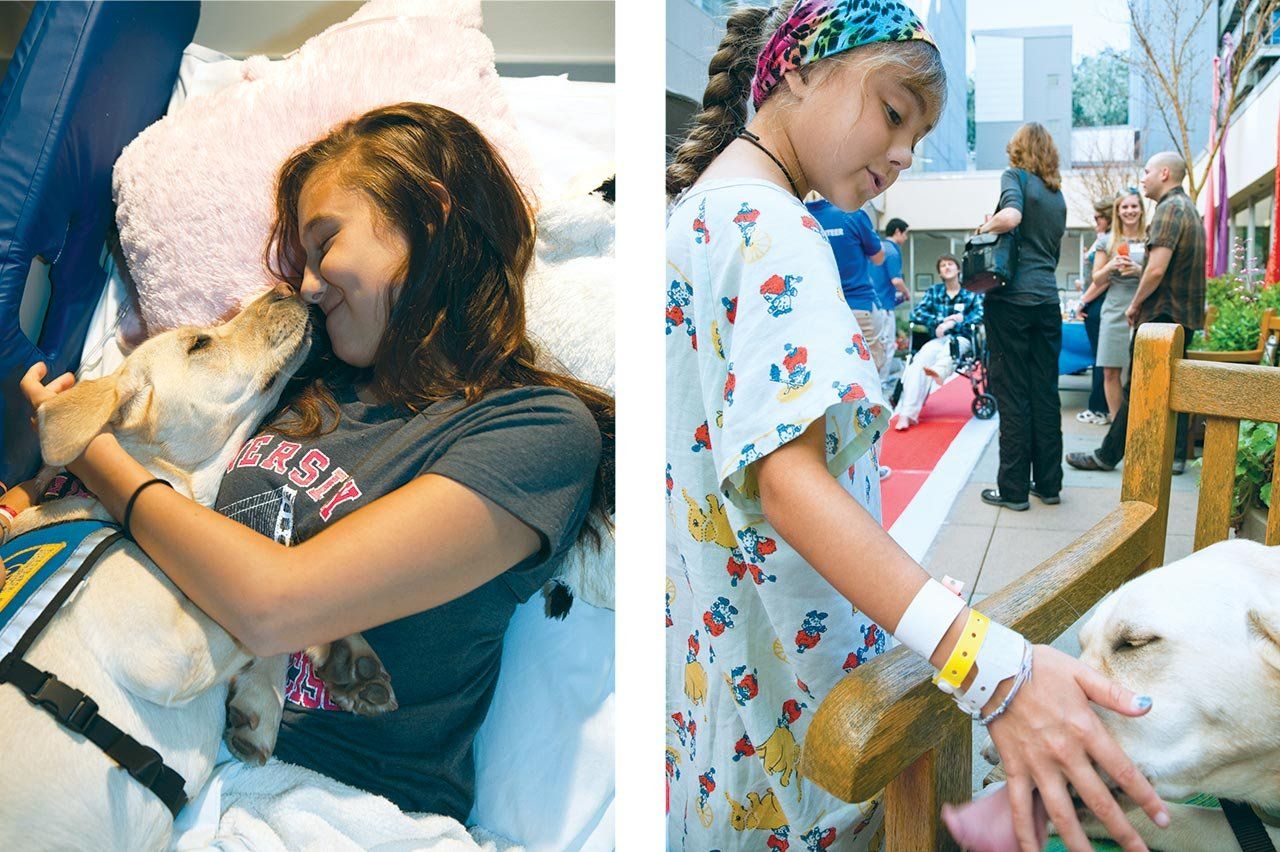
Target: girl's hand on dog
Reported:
[(1050, 737), (38, 393)]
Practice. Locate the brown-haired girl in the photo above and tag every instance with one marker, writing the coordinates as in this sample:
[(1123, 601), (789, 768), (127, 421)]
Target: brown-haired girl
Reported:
[(423, 486), (780, 574)]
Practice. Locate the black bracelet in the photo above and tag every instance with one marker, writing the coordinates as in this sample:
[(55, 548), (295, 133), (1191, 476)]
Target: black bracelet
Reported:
[(128, 509)]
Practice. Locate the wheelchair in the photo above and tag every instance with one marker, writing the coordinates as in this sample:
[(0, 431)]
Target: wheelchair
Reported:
[(973, 366)]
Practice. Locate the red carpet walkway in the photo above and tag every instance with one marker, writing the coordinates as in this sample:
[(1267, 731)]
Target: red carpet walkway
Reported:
[(914, 453)]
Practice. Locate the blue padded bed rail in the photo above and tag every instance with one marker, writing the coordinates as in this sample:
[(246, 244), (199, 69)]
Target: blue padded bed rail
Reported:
[(85, 79)]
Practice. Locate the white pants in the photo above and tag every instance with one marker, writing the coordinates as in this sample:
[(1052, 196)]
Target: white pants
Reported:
[(936, 355), (887, 334)]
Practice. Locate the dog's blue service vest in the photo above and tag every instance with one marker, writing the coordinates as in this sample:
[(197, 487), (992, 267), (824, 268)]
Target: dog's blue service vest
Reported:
[(45, 568)]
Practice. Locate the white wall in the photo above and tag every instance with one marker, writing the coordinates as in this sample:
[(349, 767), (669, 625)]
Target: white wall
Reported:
[(572, 35), (959, 200)]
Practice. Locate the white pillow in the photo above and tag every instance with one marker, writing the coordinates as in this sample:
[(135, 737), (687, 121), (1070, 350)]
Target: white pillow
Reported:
[(194, 191)]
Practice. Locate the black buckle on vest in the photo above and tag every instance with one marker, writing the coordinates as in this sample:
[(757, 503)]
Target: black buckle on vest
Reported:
[(70, 706)]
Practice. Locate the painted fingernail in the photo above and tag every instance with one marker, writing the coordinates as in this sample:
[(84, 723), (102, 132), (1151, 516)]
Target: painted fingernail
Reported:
[(1142, 702), (1162, 819)]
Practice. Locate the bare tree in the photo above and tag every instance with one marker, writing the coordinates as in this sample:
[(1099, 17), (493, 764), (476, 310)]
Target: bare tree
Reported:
[(1166, 57), (1102, 172)]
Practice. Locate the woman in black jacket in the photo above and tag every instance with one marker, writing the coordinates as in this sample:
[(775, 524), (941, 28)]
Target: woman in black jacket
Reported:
[(1024, 324)]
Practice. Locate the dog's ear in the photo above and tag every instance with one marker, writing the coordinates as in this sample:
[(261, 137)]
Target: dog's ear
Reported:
[(1265, 625), (70, 420)]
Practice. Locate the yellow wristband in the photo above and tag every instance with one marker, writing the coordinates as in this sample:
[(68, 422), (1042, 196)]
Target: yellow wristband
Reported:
[(960, 663)]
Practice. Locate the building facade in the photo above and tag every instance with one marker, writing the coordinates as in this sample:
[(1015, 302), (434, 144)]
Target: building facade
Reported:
[(1021, 75), (946, 149)]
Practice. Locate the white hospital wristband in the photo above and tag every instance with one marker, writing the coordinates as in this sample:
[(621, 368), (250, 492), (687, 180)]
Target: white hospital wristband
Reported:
[(999, 657), (928, 618)]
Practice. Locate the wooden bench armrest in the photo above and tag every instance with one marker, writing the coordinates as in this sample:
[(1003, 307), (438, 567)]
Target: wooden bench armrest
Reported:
[(1250, 356), (877, 721)]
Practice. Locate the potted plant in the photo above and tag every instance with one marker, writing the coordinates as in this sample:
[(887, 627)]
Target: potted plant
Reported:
[(1255, 460)]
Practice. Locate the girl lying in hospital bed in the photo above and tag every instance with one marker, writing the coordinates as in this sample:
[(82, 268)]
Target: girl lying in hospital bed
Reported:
[(405, 228)]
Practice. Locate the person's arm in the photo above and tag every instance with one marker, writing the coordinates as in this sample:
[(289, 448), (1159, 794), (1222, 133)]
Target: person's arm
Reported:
[(1009, 213), (1100, 277), (928, 312), (877, 258), (21, 496), (275, 598), (1152, 272), (1002, 222), (1049, 734), (972, 316)]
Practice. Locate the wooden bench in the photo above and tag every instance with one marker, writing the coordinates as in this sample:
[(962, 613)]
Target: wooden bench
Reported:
[(887, 727)]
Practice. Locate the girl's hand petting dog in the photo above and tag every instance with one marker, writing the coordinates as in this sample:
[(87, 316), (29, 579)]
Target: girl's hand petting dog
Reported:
[(1050, 737), (38, 393)]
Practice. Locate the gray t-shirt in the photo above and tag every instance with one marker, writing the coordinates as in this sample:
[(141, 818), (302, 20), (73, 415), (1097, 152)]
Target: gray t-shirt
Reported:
[(1044, 221), (532, 451)]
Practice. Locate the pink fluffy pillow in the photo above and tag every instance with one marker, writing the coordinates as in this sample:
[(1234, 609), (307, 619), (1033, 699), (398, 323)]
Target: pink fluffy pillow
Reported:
[(194, 192)]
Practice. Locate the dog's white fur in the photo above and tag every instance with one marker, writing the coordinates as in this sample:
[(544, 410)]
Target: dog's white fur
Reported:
[(156, 665), (1201, 636)]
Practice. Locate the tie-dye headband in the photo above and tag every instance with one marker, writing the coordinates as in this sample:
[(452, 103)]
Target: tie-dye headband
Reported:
[(817, 29)]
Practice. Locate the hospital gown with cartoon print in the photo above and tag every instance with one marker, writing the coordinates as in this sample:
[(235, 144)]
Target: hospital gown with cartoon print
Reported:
[(760, 344)]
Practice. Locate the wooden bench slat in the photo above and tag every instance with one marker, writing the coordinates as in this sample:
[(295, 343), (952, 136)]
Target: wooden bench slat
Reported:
[(1240, 391), (1217, 480)]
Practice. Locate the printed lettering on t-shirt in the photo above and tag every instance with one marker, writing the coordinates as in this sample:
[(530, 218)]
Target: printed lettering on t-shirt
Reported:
[(336, 488), (833, 232)]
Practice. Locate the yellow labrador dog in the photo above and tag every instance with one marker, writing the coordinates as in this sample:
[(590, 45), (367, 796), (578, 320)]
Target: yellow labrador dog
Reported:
[(1201, 636), (182, 403)]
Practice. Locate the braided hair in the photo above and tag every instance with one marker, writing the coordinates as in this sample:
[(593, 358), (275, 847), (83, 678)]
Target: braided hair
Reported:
[(724, 104)]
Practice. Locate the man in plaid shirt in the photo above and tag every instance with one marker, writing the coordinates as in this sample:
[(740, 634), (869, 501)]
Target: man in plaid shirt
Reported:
[(1172, 289), (952, 315), (963, 310)]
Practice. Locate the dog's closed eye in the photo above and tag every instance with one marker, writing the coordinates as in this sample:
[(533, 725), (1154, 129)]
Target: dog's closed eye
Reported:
[(199, 342), (1131, 642)]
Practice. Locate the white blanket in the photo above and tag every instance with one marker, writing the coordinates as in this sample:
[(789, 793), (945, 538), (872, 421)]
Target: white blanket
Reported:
[(288, 808)]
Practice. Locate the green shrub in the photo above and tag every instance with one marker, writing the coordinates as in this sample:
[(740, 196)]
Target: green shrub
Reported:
[(1240, 297), (1255, 459)]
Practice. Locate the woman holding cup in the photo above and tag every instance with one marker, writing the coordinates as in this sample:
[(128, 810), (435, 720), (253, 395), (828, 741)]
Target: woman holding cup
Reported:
[(1117, 268)]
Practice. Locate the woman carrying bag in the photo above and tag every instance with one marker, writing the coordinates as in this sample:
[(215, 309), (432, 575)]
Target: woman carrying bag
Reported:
[(1024, 324)]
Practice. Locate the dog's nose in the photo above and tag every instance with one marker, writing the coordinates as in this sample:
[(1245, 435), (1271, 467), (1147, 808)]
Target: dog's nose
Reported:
[(280, 292)]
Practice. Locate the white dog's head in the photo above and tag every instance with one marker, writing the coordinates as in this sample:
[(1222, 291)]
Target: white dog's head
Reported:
[(1201, 636), (183, 397)]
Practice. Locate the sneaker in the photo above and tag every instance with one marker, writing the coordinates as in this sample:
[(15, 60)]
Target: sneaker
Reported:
[(1087, 461), (1047, 499), (1179, 467), (1097, 418), (992, 497), (885, 472)]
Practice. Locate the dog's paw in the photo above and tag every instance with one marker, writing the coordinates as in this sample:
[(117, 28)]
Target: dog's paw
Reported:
[(557, 599), (247, 738), (354, 676)]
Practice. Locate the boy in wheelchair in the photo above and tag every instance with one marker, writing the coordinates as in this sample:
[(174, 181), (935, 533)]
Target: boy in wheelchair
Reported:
[(953, 317)]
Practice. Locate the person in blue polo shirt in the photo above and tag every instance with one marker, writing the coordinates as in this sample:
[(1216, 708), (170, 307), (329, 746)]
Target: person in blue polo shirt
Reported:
[(856, 246), (890, 291)]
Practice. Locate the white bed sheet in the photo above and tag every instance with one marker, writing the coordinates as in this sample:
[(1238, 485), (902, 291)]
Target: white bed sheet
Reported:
[(545, 754)]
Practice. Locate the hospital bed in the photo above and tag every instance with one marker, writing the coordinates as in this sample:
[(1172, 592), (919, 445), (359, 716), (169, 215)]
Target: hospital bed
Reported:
[(85, 79)]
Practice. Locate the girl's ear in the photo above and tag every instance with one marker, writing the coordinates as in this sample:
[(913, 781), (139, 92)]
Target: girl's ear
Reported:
[(797, 84)]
